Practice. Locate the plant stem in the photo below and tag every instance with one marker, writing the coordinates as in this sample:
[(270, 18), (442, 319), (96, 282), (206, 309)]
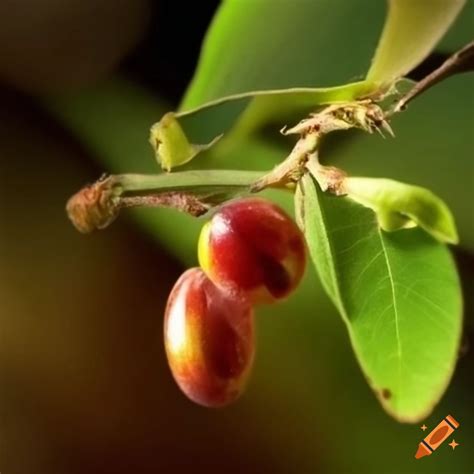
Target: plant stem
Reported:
[(461, 61), (329, 178), (193, 181)]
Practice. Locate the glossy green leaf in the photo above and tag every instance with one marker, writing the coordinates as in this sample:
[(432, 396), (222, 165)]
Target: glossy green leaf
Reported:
[(399, 205), (265, 44), (411, 31), (398, 293), (318, 44)]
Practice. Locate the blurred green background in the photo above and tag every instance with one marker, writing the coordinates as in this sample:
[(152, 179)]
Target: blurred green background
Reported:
[(84, 385)]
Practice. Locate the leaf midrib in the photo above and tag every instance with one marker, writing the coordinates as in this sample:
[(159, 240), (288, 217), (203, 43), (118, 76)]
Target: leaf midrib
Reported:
[(395, 309)]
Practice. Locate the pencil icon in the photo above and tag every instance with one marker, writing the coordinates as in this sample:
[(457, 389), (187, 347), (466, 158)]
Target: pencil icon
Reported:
[(436, 437)]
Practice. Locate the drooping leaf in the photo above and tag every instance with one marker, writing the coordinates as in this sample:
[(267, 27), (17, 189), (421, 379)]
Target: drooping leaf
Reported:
[(411, 31), (397, 292), (399, 205)]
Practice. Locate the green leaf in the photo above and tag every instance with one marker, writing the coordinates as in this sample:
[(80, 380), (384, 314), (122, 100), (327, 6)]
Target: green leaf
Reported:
[(248, 111), (399, 205), (411, 31), (275, 45), (320, 44), (172, 148), (398, 293), (240, 54)]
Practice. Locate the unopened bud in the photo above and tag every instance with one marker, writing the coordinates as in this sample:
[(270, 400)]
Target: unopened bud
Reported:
[(94, 207)]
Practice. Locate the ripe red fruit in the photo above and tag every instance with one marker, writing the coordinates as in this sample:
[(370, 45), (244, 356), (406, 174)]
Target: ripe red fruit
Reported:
[(252, 246), (209, 340)]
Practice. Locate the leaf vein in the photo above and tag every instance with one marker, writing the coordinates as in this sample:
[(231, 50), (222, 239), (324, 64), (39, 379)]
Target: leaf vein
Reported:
[(395, 308)]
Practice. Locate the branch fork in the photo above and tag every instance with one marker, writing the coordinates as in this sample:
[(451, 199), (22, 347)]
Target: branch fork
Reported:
[(364, 115)]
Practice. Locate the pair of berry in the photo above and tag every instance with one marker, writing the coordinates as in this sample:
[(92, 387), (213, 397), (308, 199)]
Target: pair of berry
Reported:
[(250, 252)]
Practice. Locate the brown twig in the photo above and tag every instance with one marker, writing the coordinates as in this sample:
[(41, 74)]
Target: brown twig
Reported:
[(461, 61), (184, 202)]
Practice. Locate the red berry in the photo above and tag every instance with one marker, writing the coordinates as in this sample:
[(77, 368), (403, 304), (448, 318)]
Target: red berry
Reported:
[(252, 246), (209, 340)]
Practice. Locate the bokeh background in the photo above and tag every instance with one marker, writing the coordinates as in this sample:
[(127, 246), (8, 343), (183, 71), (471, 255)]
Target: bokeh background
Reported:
[(84, 385)]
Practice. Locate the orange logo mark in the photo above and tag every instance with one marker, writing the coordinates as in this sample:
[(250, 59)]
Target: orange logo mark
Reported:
[(437, 437)]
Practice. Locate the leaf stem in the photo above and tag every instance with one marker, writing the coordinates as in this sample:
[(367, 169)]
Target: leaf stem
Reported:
[(193, 181)]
